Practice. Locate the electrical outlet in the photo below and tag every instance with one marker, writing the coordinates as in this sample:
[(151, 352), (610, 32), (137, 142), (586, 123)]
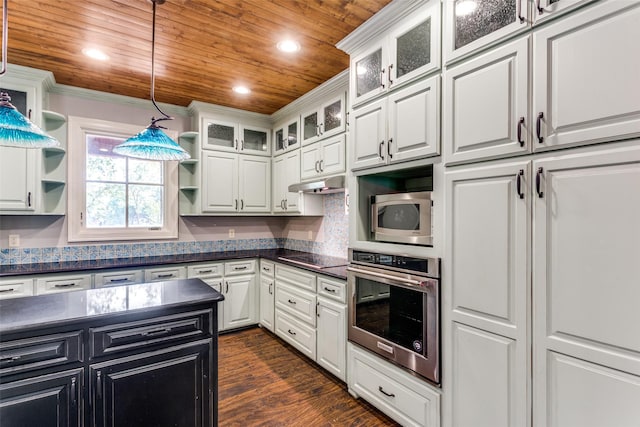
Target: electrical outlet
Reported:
[(14, 240), (309, 235), (232, 233)]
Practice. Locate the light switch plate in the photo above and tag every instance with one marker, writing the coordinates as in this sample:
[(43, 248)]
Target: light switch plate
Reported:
[(14, 240)]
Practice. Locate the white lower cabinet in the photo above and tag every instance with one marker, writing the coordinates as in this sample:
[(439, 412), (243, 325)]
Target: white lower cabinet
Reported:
[(311, 315), (159, 274), (392, 390), (267, 295), (16, 287), (62, 283), (117, 278)]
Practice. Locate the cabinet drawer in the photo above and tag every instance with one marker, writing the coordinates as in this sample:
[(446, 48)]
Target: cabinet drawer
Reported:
[(240, 267), (40, 352), (164, 273), (393, 391), (205, 270), (296, 277), (63, 284), (333, 289), (296, 333), (138, 335), (14, 288), (115, 278), (267, 268), (297, 302)]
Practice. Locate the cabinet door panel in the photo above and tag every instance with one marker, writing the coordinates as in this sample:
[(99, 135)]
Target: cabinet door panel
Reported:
[(255, 184), (153, 389), (489, 235), (584, 101), (219, 135), (267, 303), (586, 251), (240, 301), (333, 160), (220, 183), (414, 121), (369, 135), (484, 101), (310, 157), (331, 351), (548, 9), (45, 401), (292, 176), (368, 81), (255, 140), (17, 179), (489, 382)]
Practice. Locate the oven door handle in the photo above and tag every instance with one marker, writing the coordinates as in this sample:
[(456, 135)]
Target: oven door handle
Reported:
[(388, 277)]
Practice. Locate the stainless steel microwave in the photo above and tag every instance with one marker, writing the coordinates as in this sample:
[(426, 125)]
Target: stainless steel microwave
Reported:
[(402, 218)]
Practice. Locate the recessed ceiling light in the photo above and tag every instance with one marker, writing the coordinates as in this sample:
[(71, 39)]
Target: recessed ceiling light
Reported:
[(241, 90), (465, 7), (288, 46), (95, 54)]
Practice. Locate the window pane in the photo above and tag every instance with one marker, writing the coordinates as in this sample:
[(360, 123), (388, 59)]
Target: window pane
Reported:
[(102, 164), (145, 206), (106, 205), (147, 171)]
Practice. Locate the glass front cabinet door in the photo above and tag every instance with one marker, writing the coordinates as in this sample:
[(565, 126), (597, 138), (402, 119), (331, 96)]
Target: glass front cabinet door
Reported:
[(254, 140), (220, 135), (325, 121), (471, 24), (286, 136), (410, 50)]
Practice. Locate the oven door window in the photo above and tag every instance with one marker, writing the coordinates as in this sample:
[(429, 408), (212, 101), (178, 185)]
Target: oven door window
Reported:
[(391, 312), (399, 216)]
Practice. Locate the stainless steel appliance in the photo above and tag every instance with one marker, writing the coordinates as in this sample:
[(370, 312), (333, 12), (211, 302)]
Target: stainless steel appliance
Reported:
[(394, 309), (402, 218), (315, 260)]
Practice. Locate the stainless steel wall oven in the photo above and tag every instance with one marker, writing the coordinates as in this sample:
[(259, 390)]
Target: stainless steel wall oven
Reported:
[(394, 309)]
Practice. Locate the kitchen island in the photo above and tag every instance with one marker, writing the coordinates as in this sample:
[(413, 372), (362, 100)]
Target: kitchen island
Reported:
[(134, 355)]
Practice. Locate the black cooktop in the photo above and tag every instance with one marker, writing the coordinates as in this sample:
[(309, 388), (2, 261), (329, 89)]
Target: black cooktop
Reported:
[(315, 260)]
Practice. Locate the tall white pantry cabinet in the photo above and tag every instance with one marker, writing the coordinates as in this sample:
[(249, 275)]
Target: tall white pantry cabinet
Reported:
[(541, 284)]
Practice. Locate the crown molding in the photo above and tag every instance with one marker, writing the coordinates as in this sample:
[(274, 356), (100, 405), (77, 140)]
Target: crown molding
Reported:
[(196, 108), (313, 97), (382, 21), (112, 98)]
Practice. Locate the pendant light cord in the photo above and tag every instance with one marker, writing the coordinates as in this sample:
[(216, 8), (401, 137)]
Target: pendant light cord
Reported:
[(5, 33), (153, 74)]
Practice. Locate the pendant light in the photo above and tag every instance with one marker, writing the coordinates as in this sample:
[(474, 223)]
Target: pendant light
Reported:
[(152, 143), (15, 129)]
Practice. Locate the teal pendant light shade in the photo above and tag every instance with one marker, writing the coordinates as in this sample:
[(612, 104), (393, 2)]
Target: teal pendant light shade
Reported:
[(153, 144), (15, 129)]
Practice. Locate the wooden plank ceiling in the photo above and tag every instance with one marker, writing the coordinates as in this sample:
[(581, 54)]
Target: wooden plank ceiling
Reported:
[(203, 47)]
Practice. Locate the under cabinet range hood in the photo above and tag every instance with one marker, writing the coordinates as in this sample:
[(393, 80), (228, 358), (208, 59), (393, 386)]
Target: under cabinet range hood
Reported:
[(333, 184)]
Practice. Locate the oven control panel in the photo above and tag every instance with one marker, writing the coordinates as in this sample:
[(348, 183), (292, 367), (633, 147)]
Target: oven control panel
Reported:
[(424, 266)]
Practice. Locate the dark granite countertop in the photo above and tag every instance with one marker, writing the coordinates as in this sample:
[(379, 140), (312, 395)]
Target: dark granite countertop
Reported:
[(113, 263), (52, 309)]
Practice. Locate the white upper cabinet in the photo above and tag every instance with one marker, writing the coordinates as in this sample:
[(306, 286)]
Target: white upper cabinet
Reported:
[(286, 136), (403, 126), (325, 121), (17, 179), (585, 77), (254, 184), (486, 105), (286, 171), (407, 51), (324, 158), (470, 24), (225, 135)]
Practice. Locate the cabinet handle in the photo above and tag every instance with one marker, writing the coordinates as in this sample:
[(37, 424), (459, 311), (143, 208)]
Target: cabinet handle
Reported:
[(64, 285), (270, 286), (124, 279), (347, 119), (236, 205), (291, 332), (520, 17), (204, 271), (520, 124), (291, 302), (241, 204), (381, 390), (99, 384), (538, 127), (6, 290), (538, 183), (10, 359), (286, 204), (321, 165), (317, 167), (266, 269), (165, 276), (73, 390), (242, 145), (227, 288), (29, 114), (540, 9), (382, 78), (29, 199), (244, 267), (317, 309), (389, 74), (155, 332), (317, 130), (519, 183), (389, 148), (320, 127), (235, 144), (380, 150), (333, 291)]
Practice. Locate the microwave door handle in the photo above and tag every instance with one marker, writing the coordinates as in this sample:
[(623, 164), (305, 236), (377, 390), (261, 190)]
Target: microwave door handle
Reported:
[(387, 276), (371, 220)]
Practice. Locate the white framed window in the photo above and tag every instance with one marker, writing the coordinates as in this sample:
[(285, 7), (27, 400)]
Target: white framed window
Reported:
[(113, 197)]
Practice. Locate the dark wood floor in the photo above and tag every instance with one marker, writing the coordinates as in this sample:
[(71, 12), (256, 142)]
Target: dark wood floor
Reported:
[(265, 382)]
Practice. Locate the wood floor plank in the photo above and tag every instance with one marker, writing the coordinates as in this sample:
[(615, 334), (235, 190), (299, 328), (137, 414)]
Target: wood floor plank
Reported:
[(265, 382)]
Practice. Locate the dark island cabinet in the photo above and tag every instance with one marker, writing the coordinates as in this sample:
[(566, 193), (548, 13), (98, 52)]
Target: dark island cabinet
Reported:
[(143, 361)]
